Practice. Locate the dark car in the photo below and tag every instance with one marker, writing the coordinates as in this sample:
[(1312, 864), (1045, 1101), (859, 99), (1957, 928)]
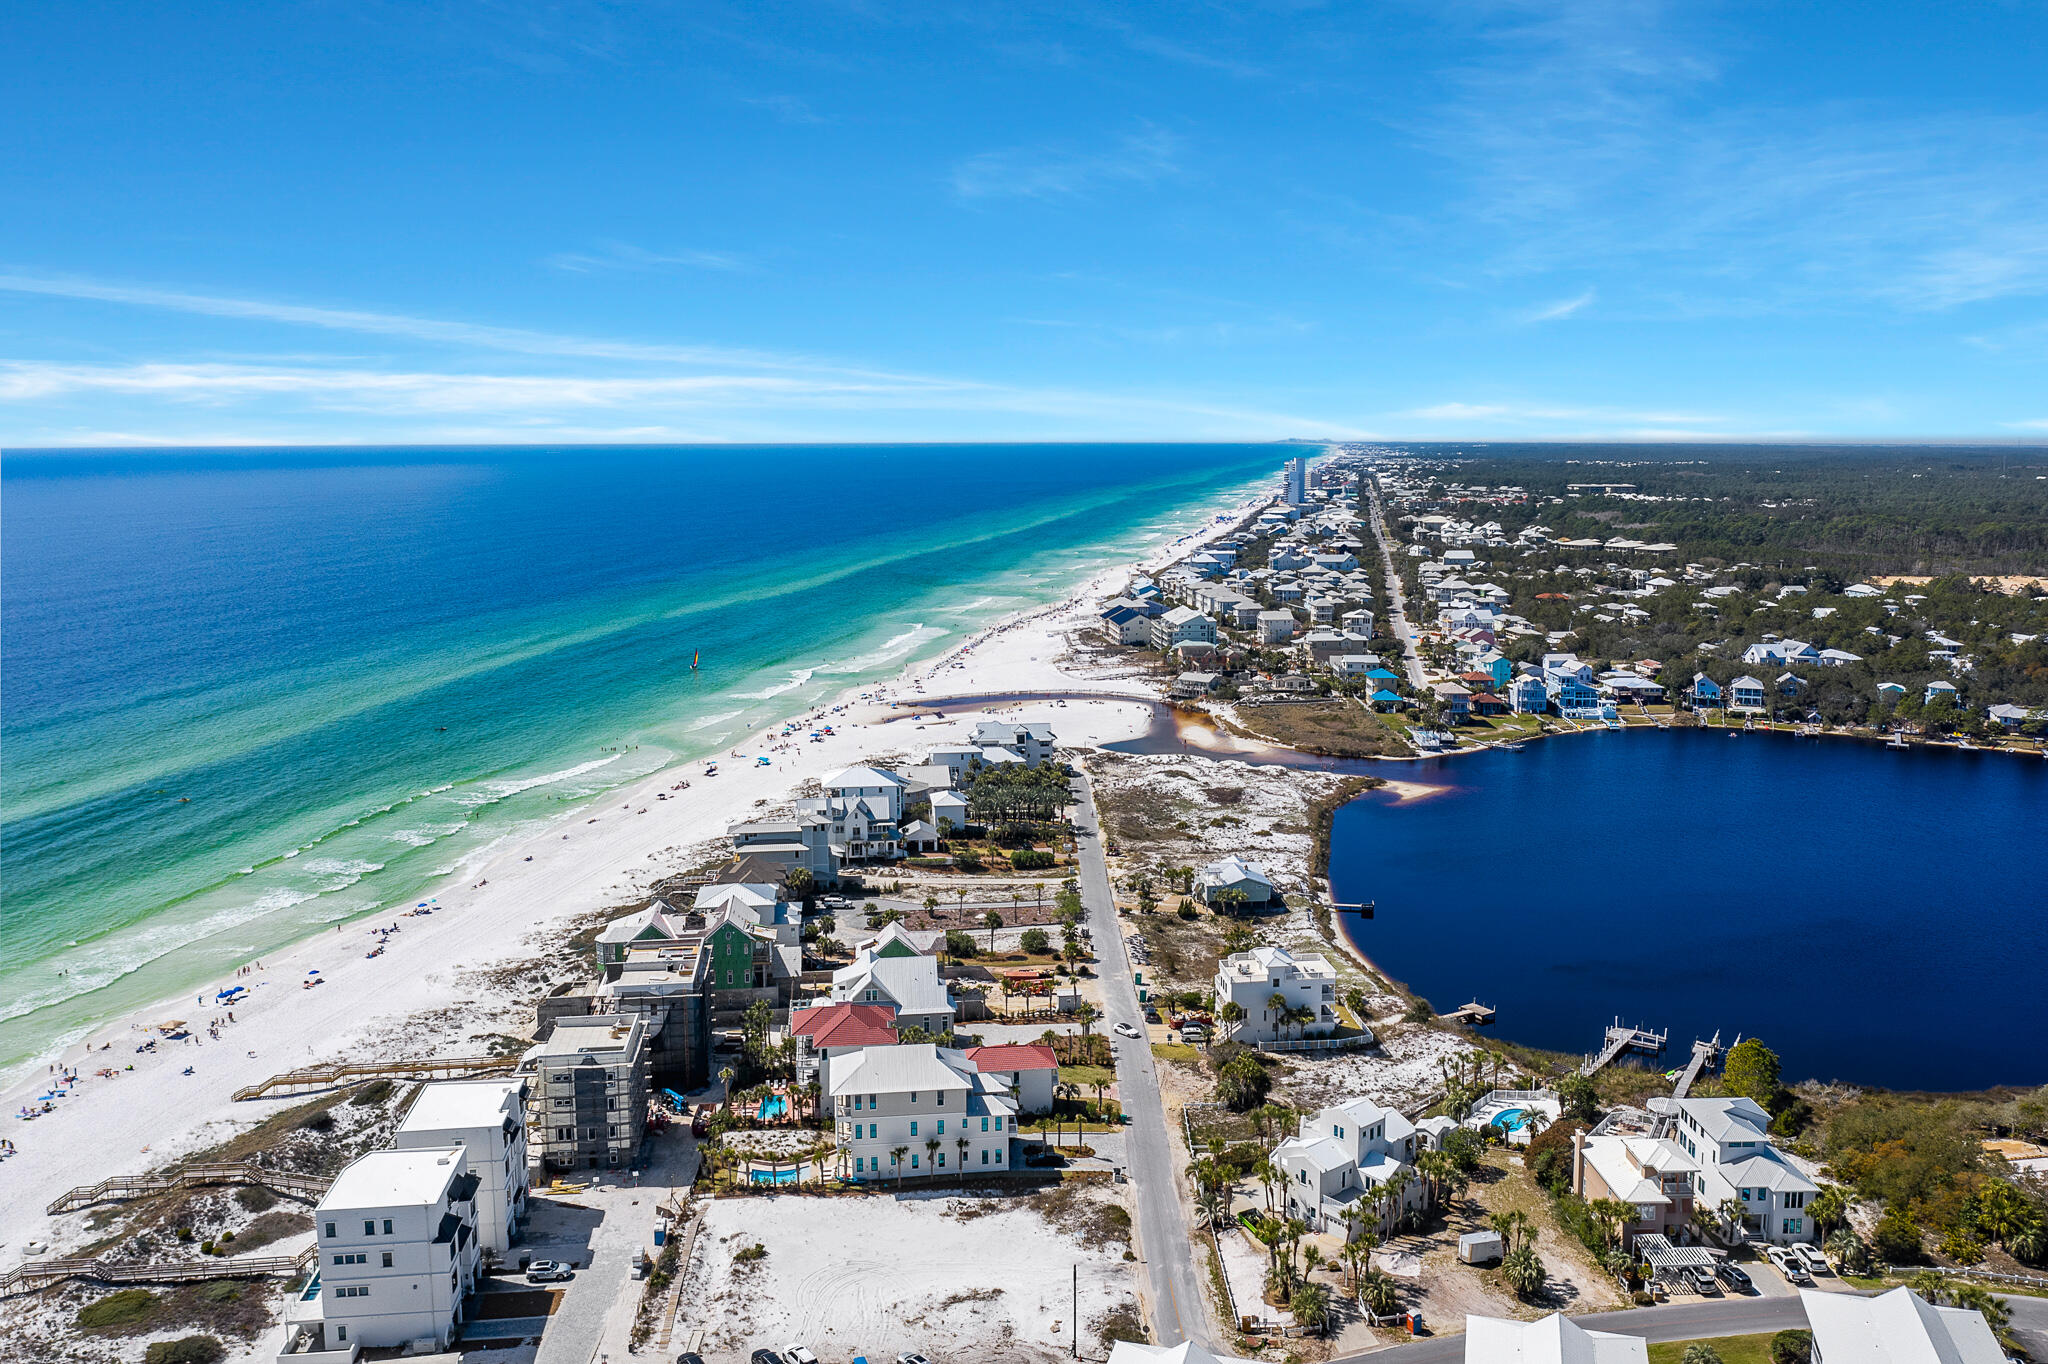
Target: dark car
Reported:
[(766, 1357), (1702, 1281), (689, 1357), (1732, 1275)]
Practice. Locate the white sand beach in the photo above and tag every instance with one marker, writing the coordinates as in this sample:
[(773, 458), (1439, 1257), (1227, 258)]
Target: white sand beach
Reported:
[(428, 993)]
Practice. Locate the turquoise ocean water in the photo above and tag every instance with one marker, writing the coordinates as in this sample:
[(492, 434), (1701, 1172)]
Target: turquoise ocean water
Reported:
[(251, 693)]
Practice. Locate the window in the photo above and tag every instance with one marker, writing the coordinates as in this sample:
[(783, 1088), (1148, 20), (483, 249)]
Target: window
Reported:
[(341, 1333), (1301, 1176), (369, 1227), (999, 1155), (1793, 1224), (351, 1259), (913, 1128), (856, 1103), (1337, 1132), (387, 1226), (860, 1165), (984, 1124), (563, 1103), (942, 1157), (984, 1157), (871, 1131), (942, 1127), (1795, 1200), (353, 1291), (913, 1096), (387, 1259), (913, 1160), (330, 1228)]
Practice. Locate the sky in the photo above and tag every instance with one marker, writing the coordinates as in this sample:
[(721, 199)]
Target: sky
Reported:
[(363, 222)]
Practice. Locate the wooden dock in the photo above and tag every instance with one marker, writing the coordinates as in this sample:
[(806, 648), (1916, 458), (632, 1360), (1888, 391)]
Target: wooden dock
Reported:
[(310, 1079), (121, 1188), (1704, 1054), (1621, 1039), (1474, 1015)]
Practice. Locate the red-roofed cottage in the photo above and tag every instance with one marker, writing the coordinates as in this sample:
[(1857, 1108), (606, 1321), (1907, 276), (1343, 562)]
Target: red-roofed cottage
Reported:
[(825, 1031), (1030, 1069)]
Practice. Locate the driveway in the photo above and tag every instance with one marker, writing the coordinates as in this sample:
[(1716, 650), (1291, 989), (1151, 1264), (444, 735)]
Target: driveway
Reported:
[(1174, 1293)]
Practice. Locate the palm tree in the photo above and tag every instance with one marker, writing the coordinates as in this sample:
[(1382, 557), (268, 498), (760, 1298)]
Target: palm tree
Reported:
[(1231, 1014), (931, 1152), (1378, 1293), (1086, 1014), (1038, 889), (725, 1079), (1733, 1213), (931, 908), (960, 909), (1068, 1090), (1311, 1306), (800, 884), (896, 1155), (1311, 1260), (993, 921), (1614, 1215), (1276, 1005)]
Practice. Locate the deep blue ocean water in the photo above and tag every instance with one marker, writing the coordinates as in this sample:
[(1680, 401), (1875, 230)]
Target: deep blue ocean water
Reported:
[(250, 693), (1876, 917)]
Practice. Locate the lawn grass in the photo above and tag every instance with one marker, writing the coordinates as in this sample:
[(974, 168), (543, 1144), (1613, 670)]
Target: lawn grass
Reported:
[(1179, 1052), (1087, 1077), (1732, 1349)]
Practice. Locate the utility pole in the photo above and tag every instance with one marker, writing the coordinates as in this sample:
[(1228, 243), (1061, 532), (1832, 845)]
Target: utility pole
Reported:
[(1075, 1344)]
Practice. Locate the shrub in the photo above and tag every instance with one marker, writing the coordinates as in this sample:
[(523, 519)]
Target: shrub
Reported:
[(968, 861), (960, 944), (1578, 1098), (1418, 1011), (1031, 859), (1699, 1352), (1035, 942), (1896, 1236), (1243, 1083), (189, 1350), (1961, 1247), (130, 1307), (1792, 1347), (375, 1092), (255, 1198), (1187, 909), (750, 1254)]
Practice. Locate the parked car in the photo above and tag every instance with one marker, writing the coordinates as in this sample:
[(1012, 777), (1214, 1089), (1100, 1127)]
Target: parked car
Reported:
[(1126, 1030), (912, 1359), (1734, 1276), (798, 1354), (1816, 1263), (766, 1357), (1702, 1281), (689, 1357), (547, 1271), (1793, 1267), (1151, 1015)]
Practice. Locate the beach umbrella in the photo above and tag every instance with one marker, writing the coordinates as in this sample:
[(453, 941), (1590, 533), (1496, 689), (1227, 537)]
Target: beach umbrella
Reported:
[(314, 972)]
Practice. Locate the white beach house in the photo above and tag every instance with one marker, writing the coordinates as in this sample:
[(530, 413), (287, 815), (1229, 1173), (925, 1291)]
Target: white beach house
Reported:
[(1730, 1139), (487, 1118), (909, 984), (1274, 988), (398, 1249), (919, 1109), (1899, 1327), (1339, 1155), (1556, 1339)]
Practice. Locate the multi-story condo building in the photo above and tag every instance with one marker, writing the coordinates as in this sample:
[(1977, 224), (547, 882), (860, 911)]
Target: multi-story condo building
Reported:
[(1033, 743), (588, 1103), (1273, 988), (1730, 1138), (487, 1119)]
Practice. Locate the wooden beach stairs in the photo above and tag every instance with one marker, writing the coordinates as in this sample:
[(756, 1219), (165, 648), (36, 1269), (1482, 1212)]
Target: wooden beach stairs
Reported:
[(1619, 1040), (122, 1188), (308, 1079), (38, 1275)]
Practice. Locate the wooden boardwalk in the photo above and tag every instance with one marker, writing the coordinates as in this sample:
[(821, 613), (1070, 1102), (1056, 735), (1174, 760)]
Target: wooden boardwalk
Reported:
[(1704, 1054), (121, 1188), (40, 1274), (309, 1079)]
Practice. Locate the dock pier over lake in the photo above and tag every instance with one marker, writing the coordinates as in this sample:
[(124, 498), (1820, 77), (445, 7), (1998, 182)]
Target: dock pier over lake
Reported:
[(1621, 1039)]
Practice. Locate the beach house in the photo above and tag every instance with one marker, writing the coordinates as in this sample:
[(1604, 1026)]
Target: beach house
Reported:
[(1339, 1155), (1033, 743), (949, 812), (908, 984), (1234, 874), (587, 1105), (399, 1255), (1182, 625), (1899, 1327), (1746, 694), (920, 1109), (1276, 627), (487, 1119), (1279, 995), (1651, 1174), (826, 1032), (1705, 691), (1730, 1141), (1030, 1069), (961, 762), (804, 841)]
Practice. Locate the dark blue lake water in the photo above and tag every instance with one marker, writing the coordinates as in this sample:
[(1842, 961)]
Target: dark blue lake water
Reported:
[(1875, 916)]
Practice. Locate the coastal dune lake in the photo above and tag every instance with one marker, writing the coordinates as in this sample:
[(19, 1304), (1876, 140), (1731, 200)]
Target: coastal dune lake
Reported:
[(1876, 917)]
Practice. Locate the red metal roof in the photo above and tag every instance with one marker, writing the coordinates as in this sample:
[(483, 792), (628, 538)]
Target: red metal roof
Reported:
[(1013, 1056), (846, 1025)]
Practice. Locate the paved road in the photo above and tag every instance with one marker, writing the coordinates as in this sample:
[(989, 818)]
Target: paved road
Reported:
[(1179, 1310), (1397, 602), (1692, 1321)]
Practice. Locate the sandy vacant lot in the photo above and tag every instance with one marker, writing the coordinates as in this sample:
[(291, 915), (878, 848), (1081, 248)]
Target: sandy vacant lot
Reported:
[(947, 1277)]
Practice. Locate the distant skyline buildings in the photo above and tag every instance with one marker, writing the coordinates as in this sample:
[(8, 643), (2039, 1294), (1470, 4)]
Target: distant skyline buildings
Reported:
[(249, 223), (1296, 491)]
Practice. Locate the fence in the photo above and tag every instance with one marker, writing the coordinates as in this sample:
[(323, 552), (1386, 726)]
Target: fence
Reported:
[(345, 1072), (1362, 1039), (2024, 1280), (121, 1188)]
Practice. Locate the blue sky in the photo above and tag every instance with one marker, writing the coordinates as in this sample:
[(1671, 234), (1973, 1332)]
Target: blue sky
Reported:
[(383, 222)]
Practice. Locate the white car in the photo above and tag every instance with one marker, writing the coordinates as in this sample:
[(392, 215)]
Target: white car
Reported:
[(1793, 1267), (798, 1354), (1816, 1263), (1126, 1030)]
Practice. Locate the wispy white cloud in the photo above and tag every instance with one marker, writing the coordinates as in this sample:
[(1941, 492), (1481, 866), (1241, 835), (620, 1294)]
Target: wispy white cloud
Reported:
[(427, 329), (1138, 158), (624, 256), (1563, 308), (787, 108)]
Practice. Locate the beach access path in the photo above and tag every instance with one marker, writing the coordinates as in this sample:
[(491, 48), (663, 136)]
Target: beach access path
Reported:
[(1178, 1307), (430, 993)]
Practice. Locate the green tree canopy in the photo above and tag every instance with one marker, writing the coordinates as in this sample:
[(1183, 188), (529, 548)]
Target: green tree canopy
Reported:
[(1752, 1072)]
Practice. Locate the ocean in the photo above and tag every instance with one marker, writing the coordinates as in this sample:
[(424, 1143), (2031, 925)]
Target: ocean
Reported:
[(251, 693), (1876, 917)]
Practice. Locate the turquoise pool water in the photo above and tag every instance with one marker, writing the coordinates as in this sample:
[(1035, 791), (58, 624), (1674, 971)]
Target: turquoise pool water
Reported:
[(774, 1106), (788, 1176), (1510, 1119)]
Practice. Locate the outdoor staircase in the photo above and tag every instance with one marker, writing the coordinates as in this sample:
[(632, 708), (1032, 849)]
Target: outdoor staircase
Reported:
[(38, 1275), (336, 1073), (122, 1188)]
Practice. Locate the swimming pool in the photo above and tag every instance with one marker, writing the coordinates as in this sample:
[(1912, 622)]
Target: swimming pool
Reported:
[(1510, 1119), (788, 1176), (774, 1106)]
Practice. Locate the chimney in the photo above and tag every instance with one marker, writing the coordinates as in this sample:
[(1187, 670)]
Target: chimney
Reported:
[(1579, 1161)]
